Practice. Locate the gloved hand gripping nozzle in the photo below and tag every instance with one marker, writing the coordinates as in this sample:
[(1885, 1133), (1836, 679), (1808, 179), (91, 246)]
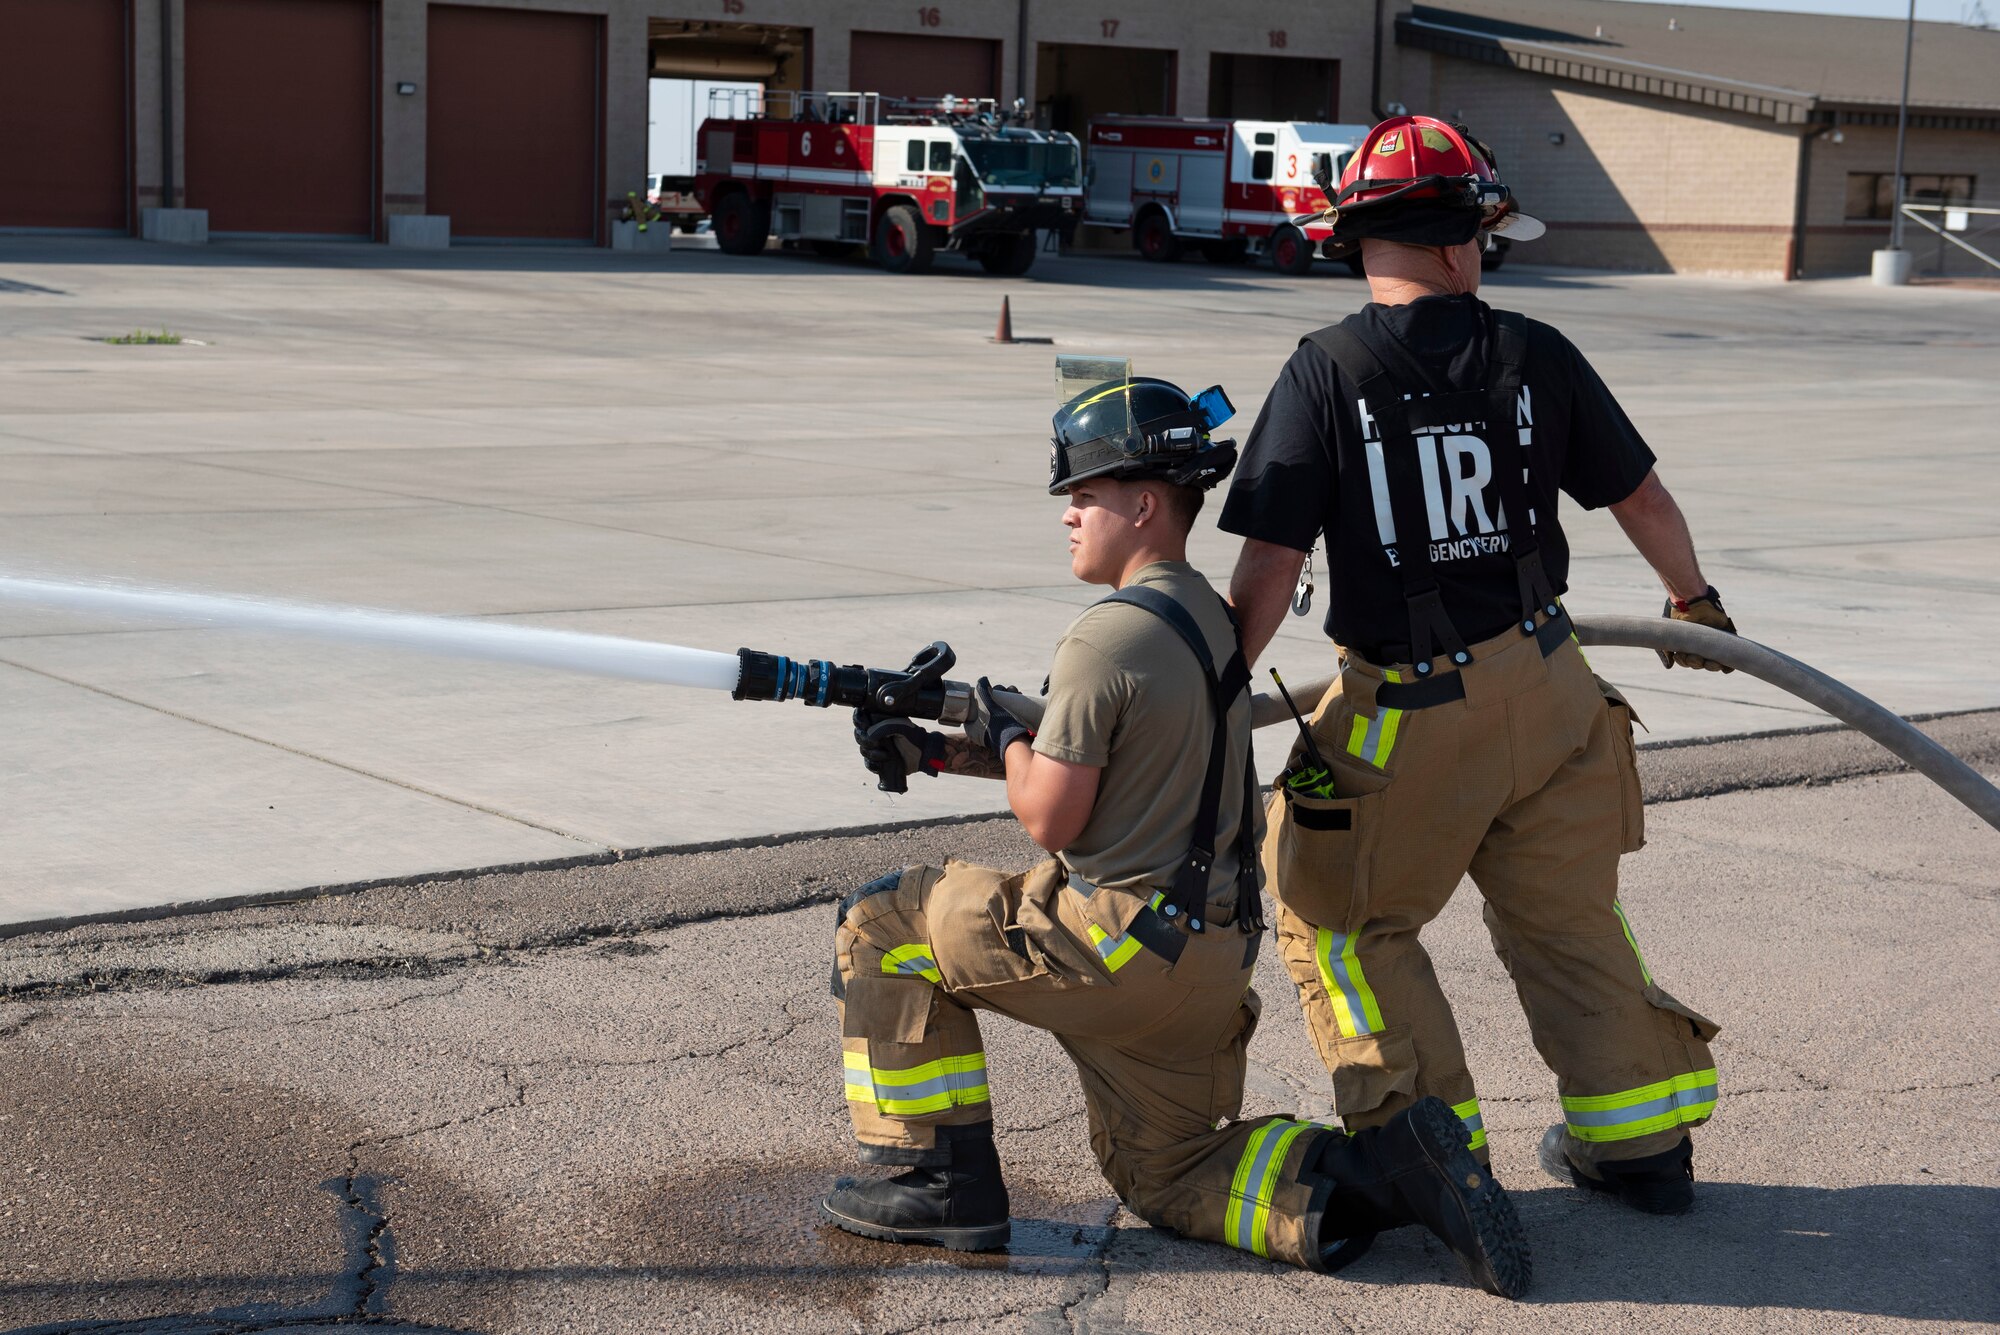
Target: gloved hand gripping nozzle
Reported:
[(920, 690)]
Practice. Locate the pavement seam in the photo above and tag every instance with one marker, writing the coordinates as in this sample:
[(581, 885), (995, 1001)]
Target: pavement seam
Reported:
[(303, 755)]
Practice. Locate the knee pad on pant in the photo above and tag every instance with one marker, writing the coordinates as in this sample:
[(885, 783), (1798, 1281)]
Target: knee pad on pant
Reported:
[(846, 906)]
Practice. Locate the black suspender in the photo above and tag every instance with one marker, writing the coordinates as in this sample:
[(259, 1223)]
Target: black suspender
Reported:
[(1189, 896), (1398, 420)]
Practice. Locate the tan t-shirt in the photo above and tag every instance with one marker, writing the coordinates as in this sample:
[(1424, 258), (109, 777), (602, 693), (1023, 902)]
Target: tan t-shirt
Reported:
[(1126, 693)]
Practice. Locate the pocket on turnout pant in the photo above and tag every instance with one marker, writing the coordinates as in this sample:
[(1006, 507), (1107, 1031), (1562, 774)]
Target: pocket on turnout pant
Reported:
[(1632, 798), (1316, 854), (1370, 1070), (1691, 1024)]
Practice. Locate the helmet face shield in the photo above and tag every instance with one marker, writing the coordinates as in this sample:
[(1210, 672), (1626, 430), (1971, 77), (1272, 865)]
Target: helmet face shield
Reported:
[(1079, 375)]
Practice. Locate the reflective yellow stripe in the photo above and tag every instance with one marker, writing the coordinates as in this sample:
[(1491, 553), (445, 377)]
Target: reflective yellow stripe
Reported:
[(1115, 951), (1353, 1001), (935, 1086), (1392, 719), (912, 959), (1373, 739), (1475, 1121), (1632, 941), (1119, 387), (1661, 1106), (1256, 1181)]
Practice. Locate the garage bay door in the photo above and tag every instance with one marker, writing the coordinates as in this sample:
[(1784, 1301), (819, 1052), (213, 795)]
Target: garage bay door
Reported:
[(64, 113), (905, 65), (515, 108), (281, 115)]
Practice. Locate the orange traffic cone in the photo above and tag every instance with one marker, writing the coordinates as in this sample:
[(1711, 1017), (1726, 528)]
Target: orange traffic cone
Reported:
[(1004, 332)]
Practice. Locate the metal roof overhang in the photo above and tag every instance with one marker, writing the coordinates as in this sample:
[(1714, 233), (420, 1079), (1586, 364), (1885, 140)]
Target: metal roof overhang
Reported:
[(1786, 106)]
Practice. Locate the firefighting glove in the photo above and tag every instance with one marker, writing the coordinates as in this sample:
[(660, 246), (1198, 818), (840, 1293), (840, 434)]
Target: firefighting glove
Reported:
[(990, 725), (1703, 611), (893, 747)]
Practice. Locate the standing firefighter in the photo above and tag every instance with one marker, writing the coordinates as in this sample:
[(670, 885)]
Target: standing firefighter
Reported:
[(1133, 945), (1427, 437)]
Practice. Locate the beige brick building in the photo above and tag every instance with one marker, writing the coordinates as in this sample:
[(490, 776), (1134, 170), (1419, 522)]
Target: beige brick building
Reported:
[(1664, 137)]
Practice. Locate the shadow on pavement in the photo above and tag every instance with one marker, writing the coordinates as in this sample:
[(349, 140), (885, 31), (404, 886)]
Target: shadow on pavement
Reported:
[(1907, 1251), (1910, 1252)]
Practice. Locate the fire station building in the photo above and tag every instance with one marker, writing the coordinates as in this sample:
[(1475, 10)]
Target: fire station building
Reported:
[(1648, 136), (528, 120)]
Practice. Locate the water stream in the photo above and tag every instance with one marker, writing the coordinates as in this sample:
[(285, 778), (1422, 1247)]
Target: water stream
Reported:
[(457, 637)]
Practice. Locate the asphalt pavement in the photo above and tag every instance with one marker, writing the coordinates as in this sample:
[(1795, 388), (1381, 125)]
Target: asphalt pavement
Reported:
[(604, 1098)]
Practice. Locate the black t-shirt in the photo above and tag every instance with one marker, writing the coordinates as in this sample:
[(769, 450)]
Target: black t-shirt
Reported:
[(1313, 465)]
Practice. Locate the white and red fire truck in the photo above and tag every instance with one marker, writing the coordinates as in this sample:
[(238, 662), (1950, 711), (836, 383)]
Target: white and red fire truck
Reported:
[(1234, 188), (838, 171)]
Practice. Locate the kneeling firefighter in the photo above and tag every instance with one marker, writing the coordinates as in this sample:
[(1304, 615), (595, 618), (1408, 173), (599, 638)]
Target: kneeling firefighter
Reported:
[(1428, 437), (1134, 943)]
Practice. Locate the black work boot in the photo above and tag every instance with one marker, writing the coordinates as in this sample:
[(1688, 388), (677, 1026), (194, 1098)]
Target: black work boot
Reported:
[(1417, 1170), (1660, 1183), (961, 1205)]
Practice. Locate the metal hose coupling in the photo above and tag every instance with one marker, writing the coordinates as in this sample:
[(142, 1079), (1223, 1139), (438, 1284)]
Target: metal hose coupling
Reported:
[(917, 691)]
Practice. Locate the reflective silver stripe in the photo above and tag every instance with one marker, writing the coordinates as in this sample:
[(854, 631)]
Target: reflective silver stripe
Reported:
[(1639, 1112), (1243, 1209), (947, 1083)]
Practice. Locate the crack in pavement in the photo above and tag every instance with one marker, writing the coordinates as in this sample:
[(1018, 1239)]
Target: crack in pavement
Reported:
[(1077, 1314), (451, 991)]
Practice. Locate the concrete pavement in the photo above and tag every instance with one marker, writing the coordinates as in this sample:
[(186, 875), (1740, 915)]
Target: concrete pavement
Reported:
[(796, 455), (603, 1099)]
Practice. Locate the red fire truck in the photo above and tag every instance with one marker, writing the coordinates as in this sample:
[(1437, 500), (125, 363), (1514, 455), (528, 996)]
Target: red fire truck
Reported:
[(1233, 188), (838, 171)]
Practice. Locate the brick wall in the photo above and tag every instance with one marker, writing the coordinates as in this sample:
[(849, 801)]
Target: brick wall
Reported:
[(1636, 182)]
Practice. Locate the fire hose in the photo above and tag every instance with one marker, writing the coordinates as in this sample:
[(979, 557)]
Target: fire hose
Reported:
[(921, 691)]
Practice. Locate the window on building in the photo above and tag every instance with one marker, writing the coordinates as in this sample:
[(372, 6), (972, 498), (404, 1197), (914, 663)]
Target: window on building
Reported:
[(1871, 196), (915, 160), (941, 155)]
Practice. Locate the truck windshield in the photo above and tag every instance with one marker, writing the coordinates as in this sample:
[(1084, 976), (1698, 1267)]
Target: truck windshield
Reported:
[(1023, 162)]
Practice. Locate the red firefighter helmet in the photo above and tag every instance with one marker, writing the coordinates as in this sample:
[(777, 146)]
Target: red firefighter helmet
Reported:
[(1424, 181)]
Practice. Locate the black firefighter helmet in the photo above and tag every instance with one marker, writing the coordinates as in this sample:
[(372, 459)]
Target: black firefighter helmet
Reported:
[(1122, 426)]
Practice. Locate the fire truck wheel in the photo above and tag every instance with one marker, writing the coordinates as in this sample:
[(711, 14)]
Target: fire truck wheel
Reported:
[(741, 226), (1226, 252), (1291, 253), (1009, 256), (1156, 240), (902, 243)]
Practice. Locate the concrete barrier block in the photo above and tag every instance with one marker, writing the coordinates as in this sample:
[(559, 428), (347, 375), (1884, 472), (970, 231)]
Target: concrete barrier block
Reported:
[(177, 227), (420, 231), (657, 237), (1890, 268)]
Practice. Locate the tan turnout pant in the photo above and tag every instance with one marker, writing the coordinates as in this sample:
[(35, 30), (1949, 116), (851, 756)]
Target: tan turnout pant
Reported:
[(1160, 1045), (1530, 785)]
